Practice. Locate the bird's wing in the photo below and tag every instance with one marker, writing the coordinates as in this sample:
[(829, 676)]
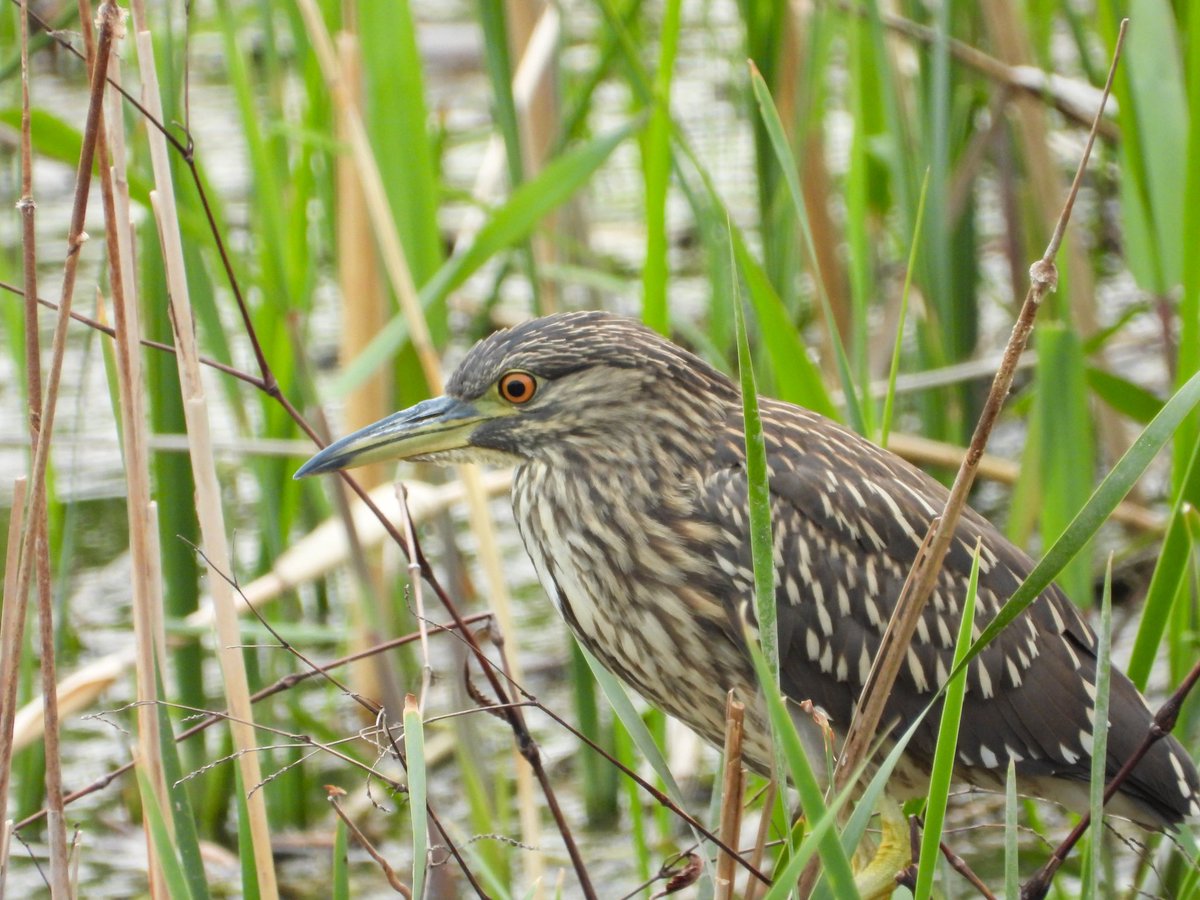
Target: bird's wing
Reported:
[(847, 519)]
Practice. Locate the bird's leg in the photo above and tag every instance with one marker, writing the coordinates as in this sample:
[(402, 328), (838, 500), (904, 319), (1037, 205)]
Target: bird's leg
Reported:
[(876, 875)]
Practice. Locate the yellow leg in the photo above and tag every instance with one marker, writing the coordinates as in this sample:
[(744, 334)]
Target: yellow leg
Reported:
[(877, 876)]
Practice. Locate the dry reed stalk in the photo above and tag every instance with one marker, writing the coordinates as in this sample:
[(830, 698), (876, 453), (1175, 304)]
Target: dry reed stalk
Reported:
[(1009, 35), (732, 780), (383, 226), (208, 492), (534, 34), (364, 304), (6, 832), (146, 591), (364, 313), (489, 179), (925, 451), (809, 150), (535, 66)]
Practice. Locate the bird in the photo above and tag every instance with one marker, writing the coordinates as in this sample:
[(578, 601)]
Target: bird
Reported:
[(630, 495)]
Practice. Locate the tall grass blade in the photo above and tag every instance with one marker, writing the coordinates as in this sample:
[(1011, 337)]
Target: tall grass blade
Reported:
[(629, 717), (187, 841), (414, 752), (397, 118), (656, 167), (821, 818), (1066, 458), (339, 879), (1187, 358), (1012, 872), (1100, 738), (947, 745), (245, 835), (1168, 577), (797, 379), (758, 493), (500, 69)]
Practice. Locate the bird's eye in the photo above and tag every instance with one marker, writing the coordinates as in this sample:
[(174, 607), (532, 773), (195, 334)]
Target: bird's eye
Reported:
[(517, 387)]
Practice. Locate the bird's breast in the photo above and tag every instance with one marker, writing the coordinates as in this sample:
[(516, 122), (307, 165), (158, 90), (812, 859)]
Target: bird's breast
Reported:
[(631, 593)]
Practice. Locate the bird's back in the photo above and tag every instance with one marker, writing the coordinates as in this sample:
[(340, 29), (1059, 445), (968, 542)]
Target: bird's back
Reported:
[(848, 518)]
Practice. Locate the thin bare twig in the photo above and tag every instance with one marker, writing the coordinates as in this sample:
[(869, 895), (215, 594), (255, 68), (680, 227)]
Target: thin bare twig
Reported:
[(287, 682), (399, 886)]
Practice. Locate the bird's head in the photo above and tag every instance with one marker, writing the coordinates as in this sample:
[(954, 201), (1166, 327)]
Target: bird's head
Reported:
[(567, 389)]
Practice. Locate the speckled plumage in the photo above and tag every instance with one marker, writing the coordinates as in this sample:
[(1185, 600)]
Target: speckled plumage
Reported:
[(630, 496)]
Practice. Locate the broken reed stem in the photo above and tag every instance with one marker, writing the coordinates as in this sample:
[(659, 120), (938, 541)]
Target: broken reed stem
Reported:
[(919, 585), (732, 780)]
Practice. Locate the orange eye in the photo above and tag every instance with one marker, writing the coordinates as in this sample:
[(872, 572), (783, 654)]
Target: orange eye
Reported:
[(517, 387)]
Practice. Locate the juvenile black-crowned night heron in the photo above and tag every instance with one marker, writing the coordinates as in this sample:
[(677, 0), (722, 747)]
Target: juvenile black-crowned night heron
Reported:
[(630, 495)]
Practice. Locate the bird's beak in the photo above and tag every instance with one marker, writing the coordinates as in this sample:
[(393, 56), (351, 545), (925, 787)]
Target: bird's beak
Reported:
[(432, 426)]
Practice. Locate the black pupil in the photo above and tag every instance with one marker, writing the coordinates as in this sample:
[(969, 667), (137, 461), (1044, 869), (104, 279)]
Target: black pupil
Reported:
[(515, 388)]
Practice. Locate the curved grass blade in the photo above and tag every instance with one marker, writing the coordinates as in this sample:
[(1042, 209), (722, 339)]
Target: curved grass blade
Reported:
[(1095, 512), (656, 168), (758, 493), (787, 163), (885, 425), (623, 708), (1169, 572), (822, 834)]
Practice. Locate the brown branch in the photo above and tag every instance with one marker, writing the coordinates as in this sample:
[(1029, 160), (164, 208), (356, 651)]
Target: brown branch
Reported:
[(919, 585), (1026, 80), (393, 879)]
